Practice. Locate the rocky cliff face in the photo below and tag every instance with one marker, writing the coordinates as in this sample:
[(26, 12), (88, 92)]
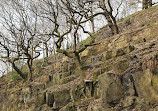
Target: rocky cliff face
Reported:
[(120, 74)]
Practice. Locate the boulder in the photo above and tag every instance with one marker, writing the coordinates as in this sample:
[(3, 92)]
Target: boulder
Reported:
[(146, 86), (111, 91), (49, 99), (114, 93), (57, 99)]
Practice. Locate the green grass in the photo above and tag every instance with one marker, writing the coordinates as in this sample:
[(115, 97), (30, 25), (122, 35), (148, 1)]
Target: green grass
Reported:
[(128, 21), (15, 76)]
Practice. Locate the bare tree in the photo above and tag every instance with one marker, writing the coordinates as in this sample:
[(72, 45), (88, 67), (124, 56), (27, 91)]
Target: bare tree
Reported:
[(19, 39), (146, 4), (6, 54), (109, 16), (106, 11), (73, 13)]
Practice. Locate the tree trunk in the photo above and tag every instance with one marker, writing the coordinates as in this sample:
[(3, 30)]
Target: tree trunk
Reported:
[(112, 24), (77, 56), (116, 29), (150, 3), (92, 22), (110, 18), (67, 43), (18, 70), (46, 47), (145, 4), (53, 46), (75, 44), (29, 63)]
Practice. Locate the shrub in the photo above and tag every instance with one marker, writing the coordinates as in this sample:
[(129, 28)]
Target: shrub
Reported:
[(46, 62), (128, 21), (15, 76)]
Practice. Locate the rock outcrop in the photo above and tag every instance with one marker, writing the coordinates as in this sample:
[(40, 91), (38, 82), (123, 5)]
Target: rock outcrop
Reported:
[(120, 73)]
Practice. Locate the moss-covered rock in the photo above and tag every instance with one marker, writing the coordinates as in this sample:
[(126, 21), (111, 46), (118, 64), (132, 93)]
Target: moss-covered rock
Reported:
[(111, 91), (56, 78), (145, 87), (106, 55), (121, 66), (56, 99), (155, 83), (49, 99), (114, 93), (78, 92), (67, 79)]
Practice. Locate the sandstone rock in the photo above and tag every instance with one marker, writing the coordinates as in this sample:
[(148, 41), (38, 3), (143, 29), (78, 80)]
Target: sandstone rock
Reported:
[(154, 109), (128, 85), (106, 55), (114, 93), (77, 92), (128, 102), (121, 66), (27, 96), (67, 79), (49, 99), (68, 107), (56, 78), (144, 87), (57, 99), (111, 91), (40, 99), (62, 98)]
